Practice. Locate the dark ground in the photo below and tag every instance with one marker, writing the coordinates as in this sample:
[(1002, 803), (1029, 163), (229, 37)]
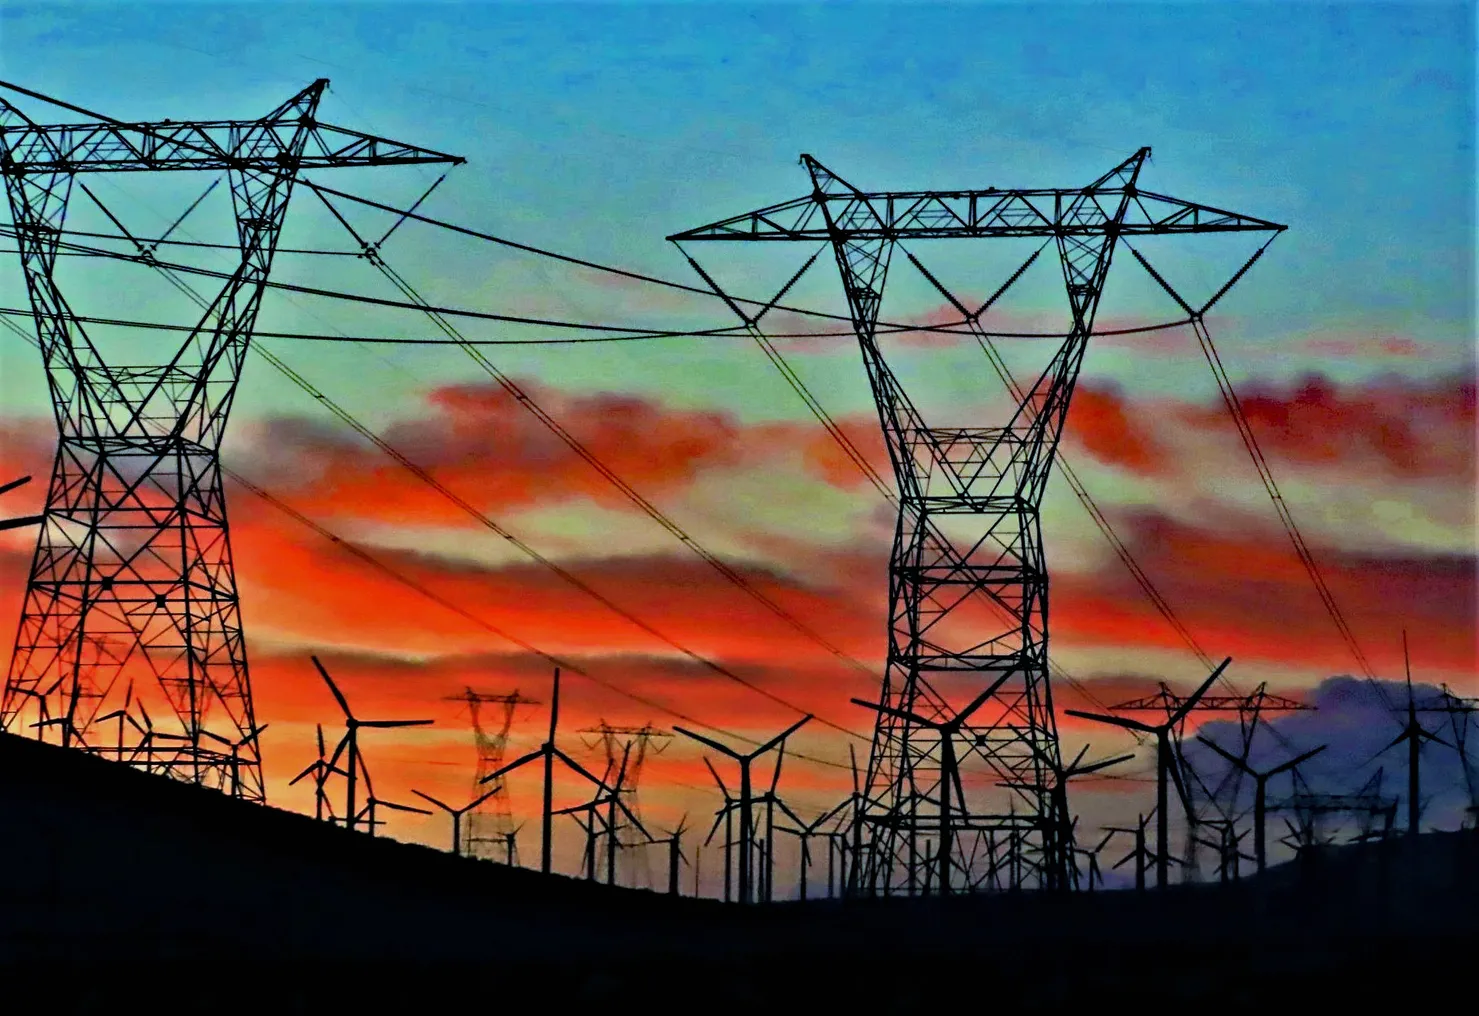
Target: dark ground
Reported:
[(124, 892)]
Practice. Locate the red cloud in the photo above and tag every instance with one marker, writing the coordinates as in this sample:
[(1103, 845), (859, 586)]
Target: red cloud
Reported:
[(480, 442), (1244, 594), (1405, 427), (1412, 429), (1103, 423)]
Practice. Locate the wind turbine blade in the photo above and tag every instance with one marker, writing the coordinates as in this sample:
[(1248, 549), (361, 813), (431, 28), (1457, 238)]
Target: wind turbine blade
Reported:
[(1428, 735), (903, 714), (777, 739), (395, 723), (722, 749), (578, 768), (479, 800), (718, 821), (309, 770), (338, 695), (1094, 767), (1298, 759), (440, 804), (1239, 763), (715, 773), (339, 750), (979, 701), (1118, 721), (1196, 696), (515, 764)]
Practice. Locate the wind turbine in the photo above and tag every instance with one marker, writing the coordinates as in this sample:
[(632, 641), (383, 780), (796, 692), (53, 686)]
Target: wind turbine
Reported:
[(1414, 733), (456, 813), (349, 747), (1260, 792), (744, 760), (548, 751), (949, 768), (725, 814), (674, 840), (1165, 765)]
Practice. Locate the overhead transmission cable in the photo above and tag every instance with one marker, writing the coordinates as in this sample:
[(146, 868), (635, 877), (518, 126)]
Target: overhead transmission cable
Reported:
[(421, 589), (1249, 439), (884, 328), (525, 400), (529, 551), (891, 326)]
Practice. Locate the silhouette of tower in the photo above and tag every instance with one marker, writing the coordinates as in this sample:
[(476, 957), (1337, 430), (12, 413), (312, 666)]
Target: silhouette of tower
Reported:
[(968, 576), (491, 822), (633, 744), (132, 583)]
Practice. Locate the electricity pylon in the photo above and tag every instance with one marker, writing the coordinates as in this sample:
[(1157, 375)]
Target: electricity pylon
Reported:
[(492, 819), (943, 648), (631, 744), (132, 578)]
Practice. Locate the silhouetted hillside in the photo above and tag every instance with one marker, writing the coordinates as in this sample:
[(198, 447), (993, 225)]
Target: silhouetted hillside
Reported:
[(117, 883)]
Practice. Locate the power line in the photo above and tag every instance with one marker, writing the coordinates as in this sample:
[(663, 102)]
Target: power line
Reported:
[(590, 458), (1281, 507), (884, 328), (422, 590), (372, 339), (473, 512), (420, 473)]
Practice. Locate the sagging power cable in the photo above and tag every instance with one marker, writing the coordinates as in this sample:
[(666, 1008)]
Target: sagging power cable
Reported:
[(472, 511), (525, 400), (401, 578), (1249, 439)]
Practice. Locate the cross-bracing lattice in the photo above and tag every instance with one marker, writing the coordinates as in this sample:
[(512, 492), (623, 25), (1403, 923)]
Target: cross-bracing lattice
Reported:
[(132, 588), (966, 681)]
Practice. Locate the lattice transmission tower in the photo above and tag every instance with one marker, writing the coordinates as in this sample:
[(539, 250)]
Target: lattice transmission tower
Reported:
[(966, 680), (629, 745), (131, 591), (490, 824)]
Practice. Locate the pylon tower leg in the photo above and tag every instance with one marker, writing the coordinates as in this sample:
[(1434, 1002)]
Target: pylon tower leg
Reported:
[(132, 581), (966, 684), (968, 590)]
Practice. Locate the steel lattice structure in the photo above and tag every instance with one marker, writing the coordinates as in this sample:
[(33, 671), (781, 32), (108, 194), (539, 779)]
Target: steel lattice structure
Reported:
[(490, 823), (941, 654), (132, 577)]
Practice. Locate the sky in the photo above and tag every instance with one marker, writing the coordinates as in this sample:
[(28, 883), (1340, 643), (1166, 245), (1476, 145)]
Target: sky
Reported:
[(596, 130)]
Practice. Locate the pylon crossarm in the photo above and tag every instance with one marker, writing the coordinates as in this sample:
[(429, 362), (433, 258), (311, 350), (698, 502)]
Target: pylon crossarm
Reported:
[(922, 215), (266, 145)]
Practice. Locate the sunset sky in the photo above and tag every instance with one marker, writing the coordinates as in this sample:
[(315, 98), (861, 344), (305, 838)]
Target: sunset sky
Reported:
[(598, 129)]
